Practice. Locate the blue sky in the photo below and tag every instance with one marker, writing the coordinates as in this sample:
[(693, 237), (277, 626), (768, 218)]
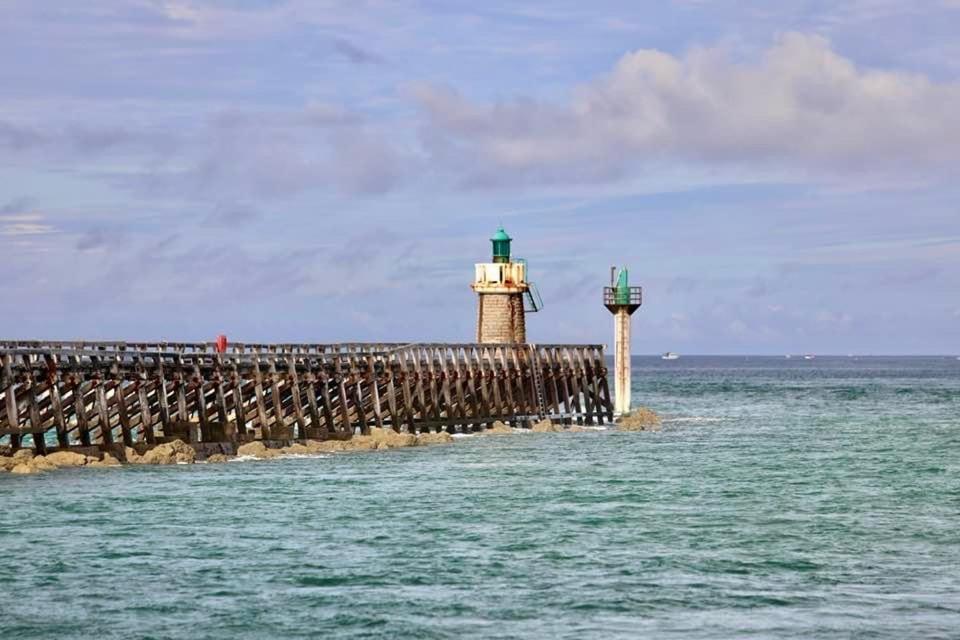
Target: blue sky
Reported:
[(780, 177)]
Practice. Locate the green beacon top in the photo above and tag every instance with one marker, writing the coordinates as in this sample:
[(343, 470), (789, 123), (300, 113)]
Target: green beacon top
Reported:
[(623, 289), (501, 246)]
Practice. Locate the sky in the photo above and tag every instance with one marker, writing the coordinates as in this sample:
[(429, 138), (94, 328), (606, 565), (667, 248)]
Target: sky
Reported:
[(778, 177)]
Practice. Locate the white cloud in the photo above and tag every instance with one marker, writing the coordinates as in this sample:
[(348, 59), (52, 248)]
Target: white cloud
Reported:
[(16, 222), (25, 229), (801, 105)]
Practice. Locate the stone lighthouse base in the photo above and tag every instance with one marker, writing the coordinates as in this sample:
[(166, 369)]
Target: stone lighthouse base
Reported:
[(500, 318)]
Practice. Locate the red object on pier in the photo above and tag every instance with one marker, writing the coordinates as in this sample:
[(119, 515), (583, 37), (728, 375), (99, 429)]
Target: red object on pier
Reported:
[(221, 343)]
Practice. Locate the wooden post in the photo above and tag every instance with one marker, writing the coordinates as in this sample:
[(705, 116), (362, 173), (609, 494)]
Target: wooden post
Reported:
[(36, 426), (575, 384), (223, 412), (407, 395), (374, 391), (80, 409), (344, 409), (434, 392), (56, 402), (460, 373), (200, 396), (507, 377), (327, 404), (261, 408), (103, 415), (162, 398), (314, 410), (295, 396), (146, 417), (279, 427), (239, 407), (125, 433), (395, 420), (10, 399)]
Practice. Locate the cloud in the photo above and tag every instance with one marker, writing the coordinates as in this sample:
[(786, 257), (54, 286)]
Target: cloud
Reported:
[(14, 207), (801, 105), (286, 158), (17, 220), (355, 54), (79, 139), (232, 216), (24, 228), (232, 154)]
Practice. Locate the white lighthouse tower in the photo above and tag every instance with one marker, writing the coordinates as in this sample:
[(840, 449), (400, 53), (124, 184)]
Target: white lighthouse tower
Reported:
[(621, 300)]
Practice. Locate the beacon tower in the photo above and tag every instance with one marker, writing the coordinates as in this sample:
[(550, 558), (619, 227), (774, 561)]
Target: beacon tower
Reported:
[(503, 295), (621, 300)]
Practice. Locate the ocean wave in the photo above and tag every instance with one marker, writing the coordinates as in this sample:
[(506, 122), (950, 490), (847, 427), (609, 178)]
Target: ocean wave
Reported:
[(697, 419), (306, 456), (243, 459), (283, 456)]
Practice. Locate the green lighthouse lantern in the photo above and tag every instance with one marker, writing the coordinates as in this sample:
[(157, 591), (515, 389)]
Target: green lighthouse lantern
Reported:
[(622, 289), (501, 246)]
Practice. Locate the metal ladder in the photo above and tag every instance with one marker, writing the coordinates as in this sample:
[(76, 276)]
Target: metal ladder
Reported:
[(537, 381)]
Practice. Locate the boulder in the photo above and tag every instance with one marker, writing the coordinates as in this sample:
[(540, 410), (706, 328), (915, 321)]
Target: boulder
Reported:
[(107, 461), (361, 443), (22, 454), (441, 437), (257, 450), (169, 453), (392, 439), (217, 457), (326, 446), (498, 428), (297, 449), (67, 459), (7, 463), (546, 426), (640, 419), (130, 455), (34, 464), (40, 463)]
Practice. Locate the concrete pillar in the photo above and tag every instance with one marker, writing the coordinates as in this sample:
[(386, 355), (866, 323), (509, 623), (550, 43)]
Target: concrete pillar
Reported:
[(621, 364)]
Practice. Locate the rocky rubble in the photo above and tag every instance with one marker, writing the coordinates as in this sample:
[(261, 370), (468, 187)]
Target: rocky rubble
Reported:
[(176, 452), (440, 437), (378, 439), (497, 429), (24, 462), (640, 419), (546, 426)]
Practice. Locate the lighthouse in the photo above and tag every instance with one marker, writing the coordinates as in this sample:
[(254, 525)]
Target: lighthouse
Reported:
[(621, 300), (504, 295)]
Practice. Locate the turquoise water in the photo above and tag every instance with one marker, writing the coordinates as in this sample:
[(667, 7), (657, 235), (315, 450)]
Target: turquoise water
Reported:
[(804, 499)]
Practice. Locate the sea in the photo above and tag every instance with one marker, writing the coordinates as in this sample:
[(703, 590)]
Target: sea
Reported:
[(783, 498)]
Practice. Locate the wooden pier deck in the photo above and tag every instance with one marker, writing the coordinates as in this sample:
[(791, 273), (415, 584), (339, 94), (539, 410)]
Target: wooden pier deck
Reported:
[(55, 395)]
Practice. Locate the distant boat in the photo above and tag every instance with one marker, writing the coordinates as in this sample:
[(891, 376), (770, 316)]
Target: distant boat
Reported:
[(788, 356), (809, 357), (669, 355)]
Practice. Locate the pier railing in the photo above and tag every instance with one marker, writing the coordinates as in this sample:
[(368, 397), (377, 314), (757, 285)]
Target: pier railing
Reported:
[(106, 394)]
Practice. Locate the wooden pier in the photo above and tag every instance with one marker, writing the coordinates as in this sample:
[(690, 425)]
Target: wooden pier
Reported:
[(109, 395)]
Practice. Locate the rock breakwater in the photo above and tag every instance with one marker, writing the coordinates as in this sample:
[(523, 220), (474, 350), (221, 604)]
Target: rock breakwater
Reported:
[(24, 461)]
